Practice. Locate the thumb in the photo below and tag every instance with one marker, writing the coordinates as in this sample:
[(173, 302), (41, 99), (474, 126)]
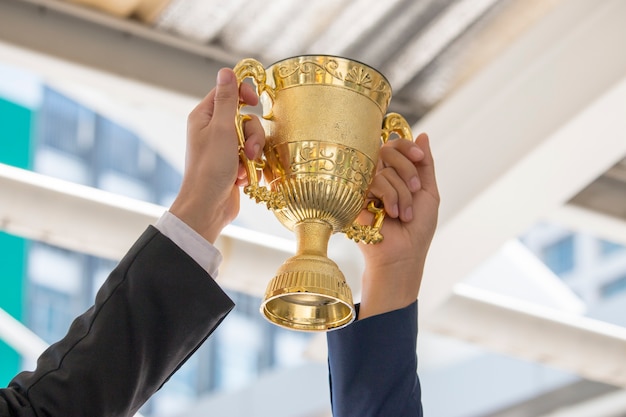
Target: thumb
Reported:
[(226, 97), (426, 167)]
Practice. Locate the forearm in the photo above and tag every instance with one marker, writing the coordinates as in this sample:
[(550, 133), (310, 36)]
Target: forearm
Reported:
[(373, 366), (153, 312), (380, 294)]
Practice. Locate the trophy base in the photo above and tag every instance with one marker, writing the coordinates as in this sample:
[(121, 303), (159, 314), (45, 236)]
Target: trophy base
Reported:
[(309, 292), (301, 298)]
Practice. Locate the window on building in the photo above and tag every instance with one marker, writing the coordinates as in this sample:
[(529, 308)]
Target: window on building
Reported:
[(64, 124), (239, 345), (614, 287), (607, 247), (55, 290), (559, 256)]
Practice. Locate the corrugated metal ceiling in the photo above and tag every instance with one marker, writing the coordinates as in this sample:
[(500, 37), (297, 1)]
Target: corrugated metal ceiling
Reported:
[(425, 48)]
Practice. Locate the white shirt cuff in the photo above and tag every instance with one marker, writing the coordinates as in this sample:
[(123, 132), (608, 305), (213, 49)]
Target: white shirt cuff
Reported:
[(190, 241)]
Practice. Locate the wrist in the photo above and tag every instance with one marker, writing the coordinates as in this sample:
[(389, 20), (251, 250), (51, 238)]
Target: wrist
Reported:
[(389, 288), (207, 222)]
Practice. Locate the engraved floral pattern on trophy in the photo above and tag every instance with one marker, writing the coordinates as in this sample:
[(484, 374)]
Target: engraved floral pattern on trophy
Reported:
[(320, 180), (310, 67), (345, 162), (325, 70)]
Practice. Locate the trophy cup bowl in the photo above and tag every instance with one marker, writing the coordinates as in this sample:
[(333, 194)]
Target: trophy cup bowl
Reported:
[(325, 121)]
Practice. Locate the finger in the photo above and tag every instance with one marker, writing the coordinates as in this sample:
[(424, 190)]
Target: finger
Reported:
[(426, 168), (242, 175), (383, 190), (201, 115), (397, 156), (226, 100), (408, 148), (248, 95), (402, 192), (255, 138)]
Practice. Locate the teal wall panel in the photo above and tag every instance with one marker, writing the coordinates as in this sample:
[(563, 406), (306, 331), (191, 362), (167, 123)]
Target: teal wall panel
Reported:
[(15, 149)]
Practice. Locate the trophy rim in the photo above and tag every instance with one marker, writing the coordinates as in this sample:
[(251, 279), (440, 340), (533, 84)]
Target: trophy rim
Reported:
[(356, 61), (358, 76)]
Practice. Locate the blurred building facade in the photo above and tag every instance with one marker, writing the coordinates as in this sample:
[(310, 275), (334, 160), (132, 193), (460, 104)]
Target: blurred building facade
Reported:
[(48, 286)]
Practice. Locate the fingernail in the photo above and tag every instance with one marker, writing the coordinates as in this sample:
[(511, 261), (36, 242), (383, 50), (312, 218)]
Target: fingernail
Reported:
[(414, 184), (408, 214), (394, 210), (224, 76), (416, 153), (257, 150)]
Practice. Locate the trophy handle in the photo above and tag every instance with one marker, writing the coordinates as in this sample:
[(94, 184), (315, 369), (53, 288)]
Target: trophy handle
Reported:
[(251, 68), (392, 123), (396, 123)]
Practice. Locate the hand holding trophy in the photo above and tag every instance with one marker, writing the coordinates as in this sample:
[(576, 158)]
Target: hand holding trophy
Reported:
[(325, 121)]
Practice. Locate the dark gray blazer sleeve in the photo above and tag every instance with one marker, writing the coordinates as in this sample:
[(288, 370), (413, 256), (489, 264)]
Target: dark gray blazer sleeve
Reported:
[(373, 366), (155, 309)]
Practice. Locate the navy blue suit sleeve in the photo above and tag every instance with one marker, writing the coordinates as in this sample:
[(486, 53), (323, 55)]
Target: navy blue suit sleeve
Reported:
[(373, 366), (155, 309)]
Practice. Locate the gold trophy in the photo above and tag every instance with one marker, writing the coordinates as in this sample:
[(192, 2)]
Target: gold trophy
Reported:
[(325, 120)]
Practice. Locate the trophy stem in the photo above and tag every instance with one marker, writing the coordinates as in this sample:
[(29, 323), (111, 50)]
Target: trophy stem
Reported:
[(312, 237), (309, 292)]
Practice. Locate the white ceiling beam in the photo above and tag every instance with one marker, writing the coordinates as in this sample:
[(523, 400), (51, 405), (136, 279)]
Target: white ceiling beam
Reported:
[(515, 271), (524, 136), (70, 215), (104, 224), (122, 47), (590, 348), (607, 405), (20, 337)]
